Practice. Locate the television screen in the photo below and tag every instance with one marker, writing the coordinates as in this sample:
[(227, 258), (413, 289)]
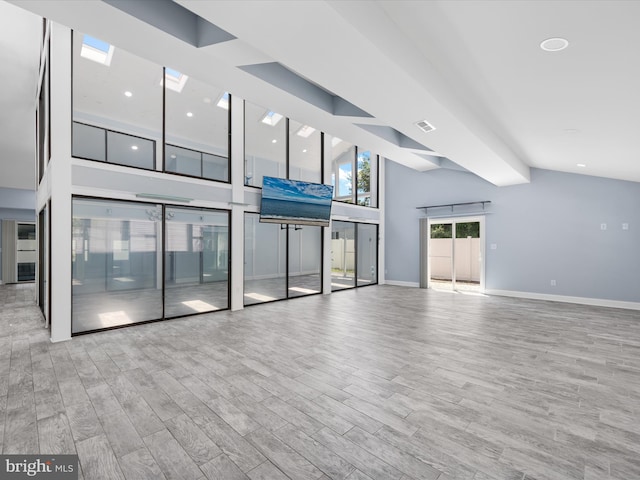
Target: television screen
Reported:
[(295, 202)]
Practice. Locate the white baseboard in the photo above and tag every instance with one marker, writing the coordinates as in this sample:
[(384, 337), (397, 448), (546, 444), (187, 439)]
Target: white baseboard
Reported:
[(398, 283), (599, 302)]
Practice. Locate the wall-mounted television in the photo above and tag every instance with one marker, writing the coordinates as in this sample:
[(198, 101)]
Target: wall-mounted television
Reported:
[(295, 202)]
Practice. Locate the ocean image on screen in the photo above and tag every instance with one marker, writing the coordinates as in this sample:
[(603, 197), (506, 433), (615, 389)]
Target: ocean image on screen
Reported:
[(296, 202)]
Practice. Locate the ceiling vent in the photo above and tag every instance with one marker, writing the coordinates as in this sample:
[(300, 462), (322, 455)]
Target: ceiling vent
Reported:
[(425, 126)]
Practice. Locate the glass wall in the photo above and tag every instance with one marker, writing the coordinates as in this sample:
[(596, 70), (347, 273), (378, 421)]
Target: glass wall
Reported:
[(265, 262), (197, 130), (305, 153), (367, 252), (120, 94), (367, 166), (349, 162), (196, 261), (305, 260), (342, 156), (354, 254), (116, 263), (265, 144), (343, 255)]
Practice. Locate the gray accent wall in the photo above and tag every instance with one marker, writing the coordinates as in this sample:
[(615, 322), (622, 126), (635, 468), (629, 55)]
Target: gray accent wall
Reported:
[(549, 229)]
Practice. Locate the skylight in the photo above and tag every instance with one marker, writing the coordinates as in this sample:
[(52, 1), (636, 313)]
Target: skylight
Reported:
[(305, 130), (96, 50), (223, 101), (335, 141), (271, 118), (175, 79)]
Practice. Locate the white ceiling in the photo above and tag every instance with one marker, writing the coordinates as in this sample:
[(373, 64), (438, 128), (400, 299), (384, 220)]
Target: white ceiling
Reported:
[(473, 69)]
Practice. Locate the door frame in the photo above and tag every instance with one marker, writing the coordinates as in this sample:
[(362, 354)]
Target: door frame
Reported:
[(425, 239)]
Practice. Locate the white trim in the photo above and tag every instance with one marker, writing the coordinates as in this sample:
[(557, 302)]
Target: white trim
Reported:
[(399, 283), (598, 302)]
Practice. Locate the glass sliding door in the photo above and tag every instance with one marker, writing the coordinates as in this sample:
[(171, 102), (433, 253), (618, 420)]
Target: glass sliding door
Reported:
[(367, 254), (468, 256), (305, 260), (196, 261), (343, 258), (116, 262), (265, 264), (455, 254), (26, 252), (441, 256)]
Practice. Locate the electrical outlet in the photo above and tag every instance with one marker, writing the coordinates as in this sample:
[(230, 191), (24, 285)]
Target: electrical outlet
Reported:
[(553, 283), (603, 226), (494, 246), (625, 226)]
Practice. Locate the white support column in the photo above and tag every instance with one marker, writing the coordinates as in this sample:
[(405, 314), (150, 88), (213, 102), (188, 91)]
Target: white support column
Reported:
[(60, 181), (237, 206), (382, 269), (326, 263)]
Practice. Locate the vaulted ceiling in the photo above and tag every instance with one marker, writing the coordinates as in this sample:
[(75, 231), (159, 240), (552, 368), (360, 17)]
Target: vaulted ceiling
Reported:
[(368, 71)]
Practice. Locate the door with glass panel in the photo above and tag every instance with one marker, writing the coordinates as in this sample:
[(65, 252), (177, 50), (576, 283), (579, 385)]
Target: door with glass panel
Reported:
[(455, 254)]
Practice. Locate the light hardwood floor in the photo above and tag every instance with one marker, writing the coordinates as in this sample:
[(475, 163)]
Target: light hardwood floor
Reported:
[(380, 382)]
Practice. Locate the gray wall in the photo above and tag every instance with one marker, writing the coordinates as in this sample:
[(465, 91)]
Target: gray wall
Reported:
[(16, 204), (547, 229)]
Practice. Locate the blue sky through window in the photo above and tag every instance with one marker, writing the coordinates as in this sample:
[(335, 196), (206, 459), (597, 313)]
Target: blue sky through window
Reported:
[(96, 43)]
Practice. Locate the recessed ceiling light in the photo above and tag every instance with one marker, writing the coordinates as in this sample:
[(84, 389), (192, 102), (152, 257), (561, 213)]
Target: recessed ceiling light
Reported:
[(128, 94), (173, 156), (304, 151), (554, 44), (305, 131), (271, 118), (134, 147), (223, 101), (274, 141), (581, 165), (189, 114)]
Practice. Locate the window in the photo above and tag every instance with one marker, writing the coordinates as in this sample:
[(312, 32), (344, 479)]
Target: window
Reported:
[(280, 261), (354, 255), (367, 178), (342, 158), (197, 121), (121, 94), (265, 144), (305, 153), (354, 174), (196, 261), (265, 264), (115, 263), (343, 257)]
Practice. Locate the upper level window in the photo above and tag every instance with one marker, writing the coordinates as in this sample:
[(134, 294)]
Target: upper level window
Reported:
[(117, 111), (354, 174), (265, 144), (197, 131)]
